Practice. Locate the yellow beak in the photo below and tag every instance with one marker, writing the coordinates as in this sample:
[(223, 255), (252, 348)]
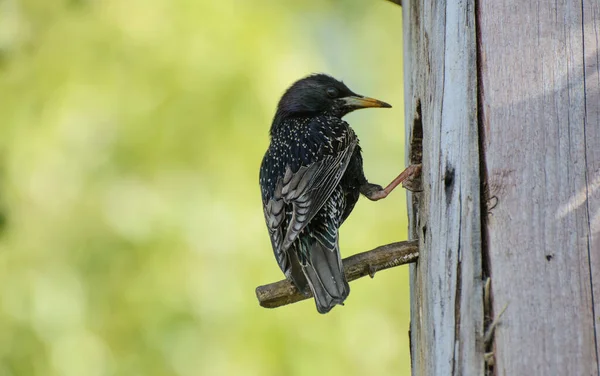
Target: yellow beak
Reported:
[(364, 102)]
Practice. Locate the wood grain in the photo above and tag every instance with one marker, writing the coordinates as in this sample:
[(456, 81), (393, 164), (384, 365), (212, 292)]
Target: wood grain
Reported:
[(446, 283), (591, 49), (541, 137)]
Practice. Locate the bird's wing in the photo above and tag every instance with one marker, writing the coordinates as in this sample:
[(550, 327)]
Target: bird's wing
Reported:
[(309, 188), (274, 210), (300, 194)]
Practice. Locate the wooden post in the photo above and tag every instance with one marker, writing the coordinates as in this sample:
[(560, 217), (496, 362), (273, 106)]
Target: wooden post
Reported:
[(441, 92), (504, 99), (540, 122)]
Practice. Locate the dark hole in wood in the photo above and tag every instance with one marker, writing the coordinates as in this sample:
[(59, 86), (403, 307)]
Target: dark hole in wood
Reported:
[(449, 183), (449, 176), (416, 142)]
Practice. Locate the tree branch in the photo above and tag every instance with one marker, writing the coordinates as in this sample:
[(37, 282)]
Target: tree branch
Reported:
[(366, 263), (399, 2)]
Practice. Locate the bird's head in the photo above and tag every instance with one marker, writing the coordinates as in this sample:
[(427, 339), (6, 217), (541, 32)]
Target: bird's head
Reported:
[(320, 94)]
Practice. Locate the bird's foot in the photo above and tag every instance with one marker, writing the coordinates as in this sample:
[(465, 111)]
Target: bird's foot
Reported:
[(373, 192), (411, 175), (410, 179), (413, 181)]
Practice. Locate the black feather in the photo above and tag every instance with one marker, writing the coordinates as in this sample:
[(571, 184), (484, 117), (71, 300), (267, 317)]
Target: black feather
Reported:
[(310, 180)]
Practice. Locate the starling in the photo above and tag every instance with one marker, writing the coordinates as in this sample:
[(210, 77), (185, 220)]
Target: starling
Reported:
[(310, 178)]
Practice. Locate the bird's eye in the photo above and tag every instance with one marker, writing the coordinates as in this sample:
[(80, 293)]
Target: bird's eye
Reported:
[(332, 92)]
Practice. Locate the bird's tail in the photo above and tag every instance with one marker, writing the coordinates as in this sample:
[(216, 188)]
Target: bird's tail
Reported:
[(325, 275)]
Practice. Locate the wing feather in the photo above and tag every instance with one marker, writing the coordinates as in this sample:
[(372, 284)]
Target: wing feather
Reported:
[(309, 200), (298, 196)]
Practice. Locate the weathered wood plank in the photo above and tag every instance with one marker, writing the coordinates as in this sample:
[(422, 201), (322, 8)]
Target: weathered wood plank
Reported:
[(413, 124), (591, 48), (541, 157), (446, 284)]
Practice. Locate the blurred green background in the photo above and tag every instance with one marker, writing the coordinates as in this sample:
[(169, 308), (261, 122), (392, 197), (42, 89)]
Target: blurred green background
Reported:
[(131, 229)]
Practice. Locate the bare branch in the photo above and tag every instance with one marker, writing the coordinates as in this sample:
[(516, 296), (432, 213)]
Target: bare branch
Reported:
[(366, 263), (399, 2)]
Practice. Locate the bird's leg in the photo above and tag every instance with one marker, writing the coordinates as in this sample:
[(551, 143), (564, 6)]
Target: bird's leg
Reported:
[(375, 192)]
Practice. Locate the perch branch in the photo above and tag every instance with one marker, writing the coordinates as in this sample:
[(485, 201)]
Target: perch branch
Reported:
[(399, 2), (366, 263)]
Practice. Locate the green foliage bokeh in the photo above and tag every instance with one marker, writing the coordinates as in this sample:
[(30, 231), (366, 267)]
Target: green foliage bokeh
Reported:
[(131, 229)]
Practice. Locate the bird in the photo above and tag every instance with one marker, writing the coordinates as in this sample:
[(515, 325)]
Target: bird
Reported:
[(311, 177)]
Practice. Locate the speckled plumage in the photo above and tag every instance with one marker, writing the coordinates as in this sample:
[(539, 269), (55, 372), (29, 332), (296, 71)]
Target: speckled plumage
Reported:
[(311, 177)]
